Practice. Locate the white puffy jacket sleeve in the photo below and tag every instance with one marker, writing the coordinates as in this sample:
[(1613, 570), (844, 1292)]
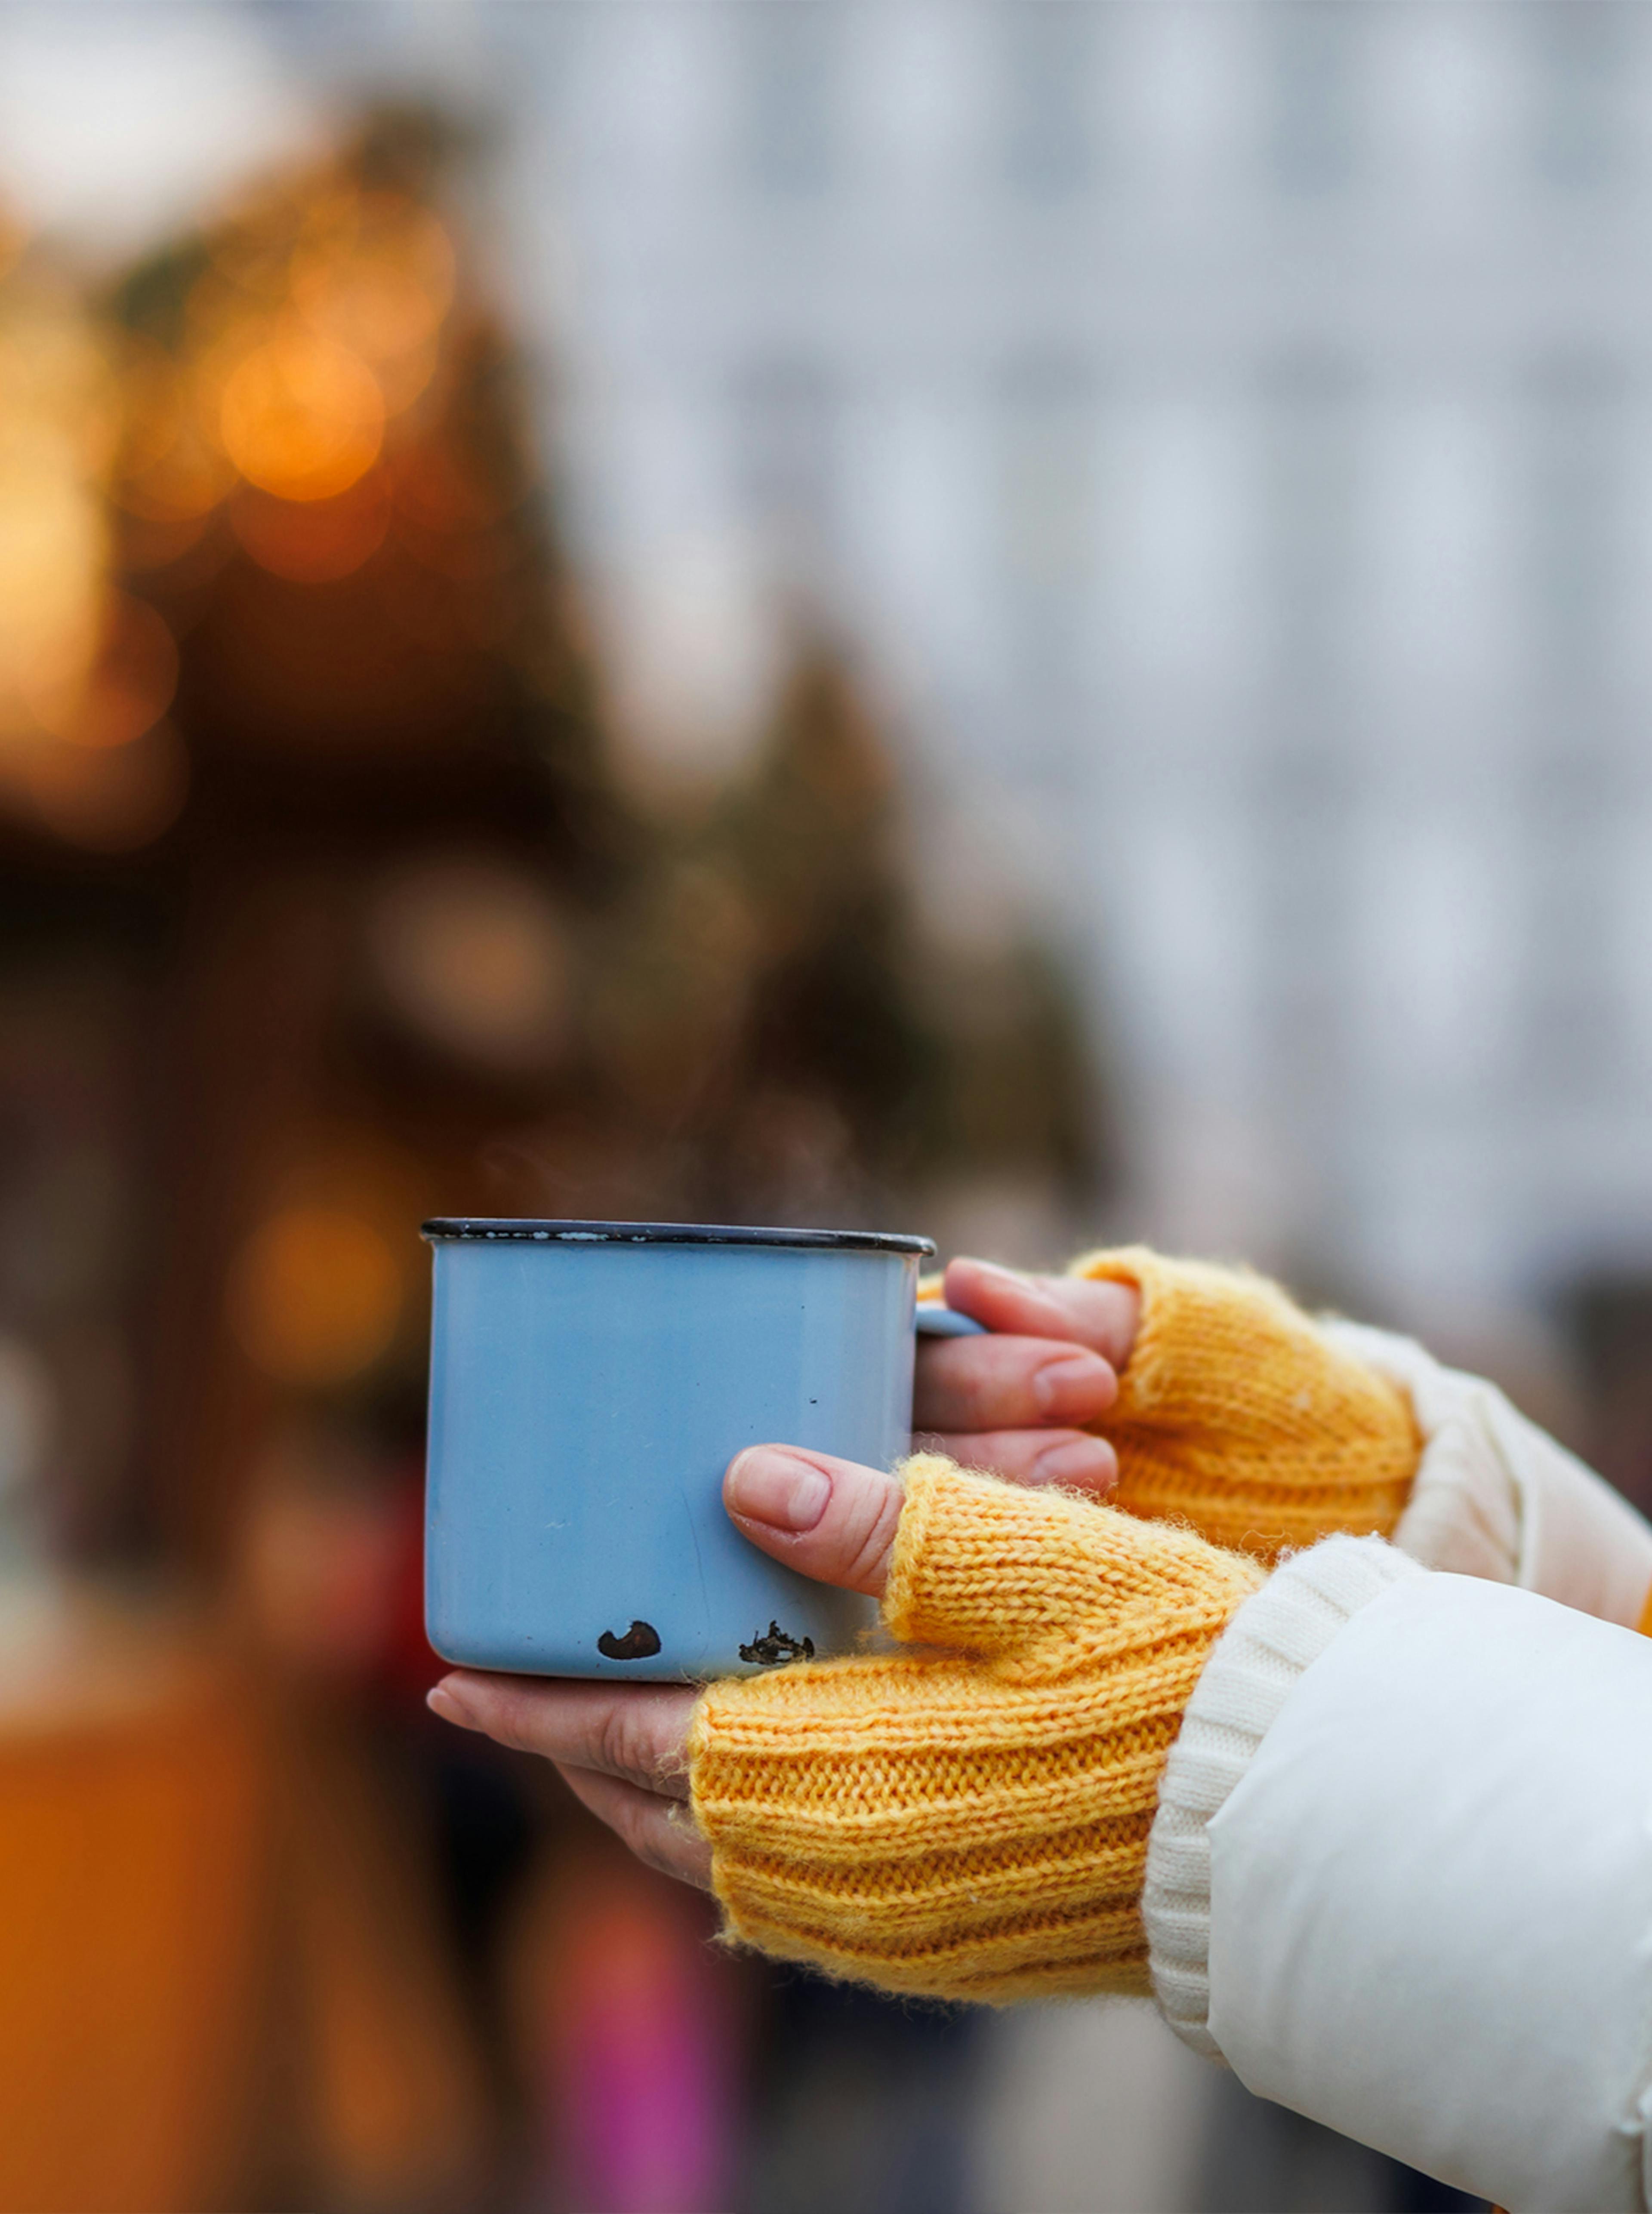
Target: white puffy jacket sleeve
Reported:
[(1495, 1497), (1400, 1877)]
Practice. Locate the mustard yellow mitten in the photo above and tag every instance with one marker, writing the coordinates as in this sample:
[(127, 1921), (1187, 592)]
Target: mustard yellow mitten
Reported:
[(970, 1821), (1238, 1415)]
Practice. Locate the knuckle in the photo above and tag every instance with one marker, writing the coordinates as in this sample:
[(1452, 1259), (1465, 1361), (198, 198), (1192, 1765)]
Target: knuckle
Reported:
[(618, 1746), (870, 1541)]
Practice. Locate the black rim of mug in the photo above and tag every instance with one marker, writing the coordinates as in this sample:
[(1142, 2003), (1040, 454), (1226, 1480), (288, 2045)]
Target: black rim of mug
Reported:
[(521, 1229)]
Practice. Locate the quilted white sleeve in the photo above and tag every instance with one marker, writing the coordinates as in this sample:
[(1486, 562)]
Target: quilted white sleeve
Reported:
[(1425, 1879), (1252, 1672), (1495, 1498)]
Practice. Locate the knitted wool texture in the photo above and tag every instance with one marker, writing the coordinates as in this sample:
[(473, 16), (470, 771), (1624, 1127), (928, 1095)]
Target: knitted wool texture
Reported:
[(1236, 1415), (970, 1821)]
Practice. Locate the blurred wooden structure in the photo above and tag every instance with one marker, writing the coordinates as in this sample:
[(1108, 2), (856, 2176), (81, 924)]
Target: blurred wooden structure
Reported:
[(220, 1984), (135, 1866)]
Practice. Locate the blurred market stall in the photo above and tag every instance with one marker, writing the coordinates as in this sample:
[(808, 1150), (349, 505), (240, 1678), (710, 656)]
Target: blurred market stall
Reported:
[(324, 908)]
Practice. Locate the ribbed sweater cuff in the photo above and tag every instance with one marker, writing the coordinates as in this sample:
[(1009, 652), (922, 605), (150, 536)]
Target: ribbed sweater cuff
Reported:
[(1273, 1639)]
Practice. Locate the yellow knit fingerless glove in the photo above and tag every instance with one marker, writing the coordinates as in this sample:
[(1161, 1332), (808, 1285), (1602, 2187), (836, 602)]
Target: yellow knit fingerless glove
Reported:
[(970, 1822), (1237, 1413)]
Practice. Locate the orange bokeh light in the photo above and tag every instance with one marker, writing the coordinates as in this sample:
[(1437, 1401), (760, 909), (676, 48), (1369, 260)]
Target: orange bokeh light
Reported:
[(268, 396), (301, 417), (170, 470), (378, 277), (58, 420), (314, 1295), (123, 687)]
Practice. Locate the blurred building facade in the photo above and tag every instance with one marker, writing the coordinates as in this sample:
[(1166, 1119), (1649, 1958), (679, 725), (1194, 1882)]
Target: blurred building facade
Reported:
[(1231, 425), (1226, 423)]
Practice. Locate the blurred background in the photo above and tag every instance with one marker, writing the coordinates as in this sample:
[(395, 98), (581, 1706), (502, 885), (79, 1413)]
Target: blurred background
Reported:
[(1015, 618)]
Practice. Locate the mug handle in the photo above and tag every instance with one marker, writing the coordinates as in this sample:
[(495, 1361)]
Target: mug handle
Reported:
[(934, 1321)]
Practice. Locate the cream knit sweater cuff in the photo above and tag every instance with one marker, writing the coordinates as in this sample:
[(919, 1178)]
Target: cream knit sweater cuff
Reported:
[(1274, 1638)]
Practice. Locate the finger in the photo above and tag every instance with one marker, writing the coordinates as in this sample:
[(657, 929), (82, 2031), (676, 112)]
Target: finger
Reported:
[(1069, 1457), (1090, 1311), (661, 1832), (636, 1731), (1009, 1383), (827, 1517)]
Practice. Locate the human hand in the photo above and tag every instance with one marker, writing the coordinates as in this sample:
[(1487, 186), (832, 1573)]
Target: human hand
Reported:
[(1009, 1403), (966, 1816), (1017, 1402), (622, 1748)]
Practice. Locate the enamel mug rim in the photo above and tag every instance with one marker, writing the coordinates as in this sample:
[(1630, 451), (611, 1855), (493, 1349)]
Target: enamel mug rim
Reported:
[(933, 1320), (553, 1231)]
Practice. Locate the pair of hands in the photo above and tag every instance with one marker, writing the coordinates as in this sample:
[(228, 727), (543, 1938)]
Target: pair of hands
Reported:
[(1012, 1402)]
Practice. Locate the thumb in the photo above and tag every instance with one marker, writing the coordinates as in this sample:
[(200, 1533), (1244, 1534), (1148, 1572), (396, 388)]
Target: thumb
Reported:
[(828, 1519)]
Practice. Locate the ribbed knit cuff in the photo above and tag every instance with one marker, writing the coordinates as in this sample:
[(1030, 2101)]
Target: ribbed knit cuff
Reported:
[(1273, 1639), (1237, 1414)]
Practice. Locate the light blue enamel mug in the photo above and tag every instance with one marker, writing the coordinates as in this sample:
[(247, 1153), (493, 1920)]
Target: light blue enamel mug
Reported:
[(590, 1382)]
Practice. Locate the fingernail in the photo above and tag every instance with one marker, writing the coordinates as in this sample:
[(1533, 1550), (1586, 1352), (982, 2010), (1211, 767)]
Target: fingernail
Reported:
[(766, 1486), (1084, 1463), (1078, 1386), (441, 1701)]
